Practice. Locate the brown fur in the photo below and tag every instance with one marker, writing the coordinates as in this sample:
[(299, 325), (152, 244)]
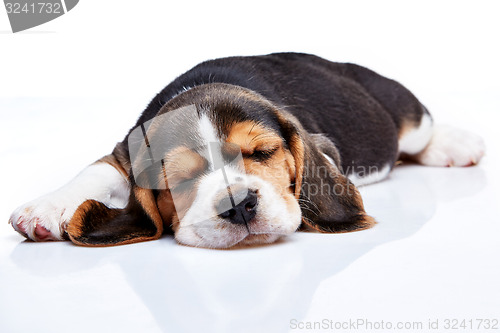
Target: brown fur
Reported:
[(279, 169)]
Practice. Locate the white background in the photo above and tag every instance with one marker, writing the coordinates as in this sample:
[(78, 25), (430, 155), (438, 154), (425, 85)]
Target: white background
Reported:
[(71, 88)]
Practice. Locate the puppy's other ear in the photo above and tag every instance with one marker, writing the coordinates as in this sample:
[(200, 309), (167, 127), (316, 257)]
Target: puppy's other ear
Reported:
[(328, 200), (94, 224), (331, 203)]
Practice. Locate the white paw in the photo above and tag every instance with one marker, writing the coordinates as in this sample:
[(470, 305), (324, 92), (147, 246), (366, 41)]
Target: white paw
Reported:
[(47, 217), (451, 146), (44, 218)]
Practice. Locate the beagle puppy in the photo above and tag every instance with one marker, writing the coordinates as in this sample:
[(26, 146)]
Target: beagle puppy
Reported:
[(245, 150)]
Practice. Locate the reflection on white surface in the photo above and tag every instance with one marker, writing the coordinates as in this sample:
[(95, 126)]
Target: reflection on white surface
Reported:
[(162, 286)]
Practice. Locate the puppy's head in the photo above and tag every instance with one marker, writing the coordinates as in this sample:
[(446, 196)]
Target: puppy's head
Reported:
[(221, 165)]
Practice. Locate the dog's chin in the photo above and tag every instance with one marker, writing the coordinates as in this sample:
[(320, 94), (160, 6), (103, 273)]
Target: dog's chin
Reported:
[(255, 239), (235, 238)]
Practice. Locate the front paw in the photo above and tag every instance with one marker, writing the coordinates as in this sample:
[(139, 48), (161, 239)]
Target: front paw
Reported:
[(43, 219)]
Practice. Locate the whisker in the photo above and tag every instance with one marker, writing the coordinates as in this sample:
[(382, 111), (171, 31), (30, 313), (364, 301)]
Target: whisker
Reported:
[(251, 129)]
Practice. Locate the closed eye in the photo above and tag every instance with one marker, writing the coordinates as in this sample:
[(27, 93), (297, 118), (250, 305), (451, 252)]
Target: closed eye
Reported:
[(263, 154)]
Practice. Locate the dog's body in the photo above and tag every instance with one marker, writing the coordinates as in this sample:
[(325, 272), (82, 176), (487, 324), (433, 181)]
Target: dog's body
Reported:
[(304, 130)]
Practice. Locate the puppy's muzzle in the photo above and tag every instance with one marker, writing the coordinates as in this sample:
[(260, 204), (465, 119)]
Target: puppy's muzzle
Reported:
[(244, 206)]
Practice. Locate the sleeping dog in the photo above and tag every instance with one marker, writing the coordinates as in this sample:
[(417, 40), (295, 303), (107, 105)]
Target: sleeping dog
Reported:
[(245, 150)]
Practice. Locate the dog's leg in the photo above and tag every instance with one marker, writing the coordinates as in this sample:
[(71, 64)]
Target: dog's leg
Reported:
[(441, 145), (46, 218)]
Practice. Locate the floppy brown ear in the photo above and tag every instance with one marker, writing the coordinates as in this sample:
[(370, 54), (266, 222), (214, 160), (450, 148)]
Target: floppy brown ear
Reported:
[(94, 224), (328, 200)]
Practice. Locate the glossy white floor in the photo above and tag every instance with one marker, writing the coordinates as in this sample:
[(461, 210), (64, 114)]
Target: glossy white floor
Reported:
[(433, 255)]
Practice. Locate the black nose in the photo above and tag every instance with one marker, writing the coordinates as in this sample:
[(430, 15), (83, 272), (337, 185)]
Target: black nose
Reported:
[(243, 211)]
